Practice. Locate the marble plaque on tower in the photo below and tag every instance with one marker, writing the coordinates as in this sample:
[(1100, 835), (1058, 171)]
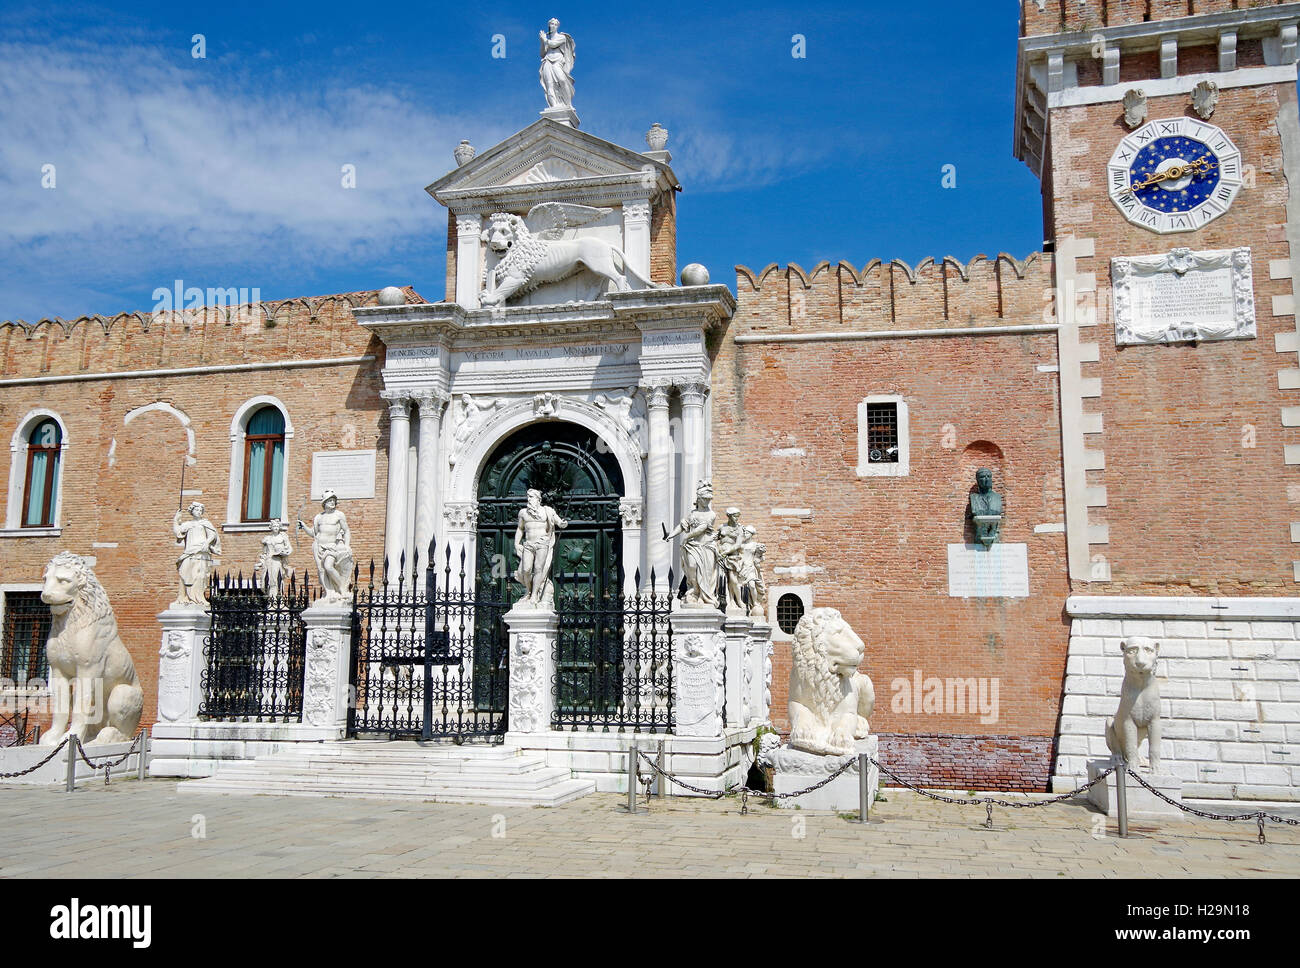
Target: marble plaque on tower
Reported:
[(998, 571), (1184, 296), (349, 473)]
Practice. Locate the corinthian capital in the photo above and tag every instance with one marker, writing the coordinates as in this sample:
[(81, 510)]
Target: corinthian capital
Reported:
[(431, 402), (399, 403), (693, 394), (656, 393)]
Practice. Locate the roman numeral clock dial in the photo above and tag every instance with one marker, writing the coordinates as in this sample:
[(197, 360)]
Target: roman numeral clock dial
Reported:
[(1174, 175)]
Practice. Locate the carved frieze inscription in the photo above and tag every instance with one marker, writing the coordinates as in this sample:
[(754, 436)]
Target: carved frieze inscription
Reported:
[(1184, 296)]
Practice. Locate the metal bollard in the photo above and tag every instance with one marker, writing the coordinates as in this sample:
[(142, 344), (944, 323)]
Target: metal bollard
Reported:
[(144, 756), (631, 778), (864, 789), (659, 776), (72, 763), (1121, 797)]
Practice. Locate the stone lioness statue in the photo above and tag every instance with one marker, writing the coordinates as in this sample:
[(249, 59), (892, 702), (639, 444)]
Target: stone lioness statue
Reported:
[(830, 701), (534, 253), (1138, 716), (92, 678)]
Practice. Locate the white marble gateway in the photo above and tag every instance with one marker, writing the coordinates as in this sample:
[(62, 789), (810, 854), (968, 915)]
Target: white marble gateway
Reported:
[(998, 571), (1183, 296)]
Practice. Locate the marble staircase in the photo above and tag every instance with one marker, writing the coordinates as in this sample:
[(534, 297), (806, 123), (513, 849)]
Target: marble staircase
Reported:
[(400, 770)]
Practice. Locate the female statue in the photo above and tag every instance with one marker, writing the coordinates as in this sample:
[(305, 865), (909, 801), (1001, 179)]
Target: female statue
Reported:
[(699, 549), (557, 66)]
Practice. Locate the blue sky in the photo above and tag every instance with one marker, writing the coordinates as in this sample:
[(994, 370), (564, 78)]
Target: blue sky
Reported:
[(226, 170)]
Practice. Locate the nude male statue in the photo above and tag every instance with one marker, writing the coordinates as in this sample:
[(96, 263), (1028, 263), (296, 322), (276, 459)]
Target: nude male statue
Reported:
[(331, 546), (535, 546)]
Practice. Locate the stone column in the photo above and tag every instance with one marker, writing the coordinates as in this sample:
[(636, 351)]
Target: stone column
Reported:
[(699, 663), (693, 395), (630, 513), (399, 442), (658, 512), (181, 664), (636, 236), (737, 628), (468, 278), (532, 668), (760, 661), (428, 466), (326, 693)]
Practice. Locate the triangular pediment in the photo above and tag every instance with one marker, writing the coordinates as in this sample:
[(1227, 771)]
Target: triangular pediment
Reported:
[(545, 152)]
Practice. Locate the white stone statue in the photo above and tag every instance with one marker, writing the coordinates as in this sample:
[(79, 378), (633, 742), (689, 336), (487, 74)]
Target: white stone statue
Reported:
[(535, 537), (332, 548), (730, 536), (200, 543), (273, 563), (533, 253), (1138, 716), (85, 649), (830, 701), (468, 415), (699, 549), (558, 54)]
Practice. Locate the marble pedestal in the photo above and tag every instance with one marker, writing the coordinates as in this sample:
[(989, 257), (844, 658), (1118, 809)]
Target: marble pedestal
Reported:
[(1141, 803), (795, 770)]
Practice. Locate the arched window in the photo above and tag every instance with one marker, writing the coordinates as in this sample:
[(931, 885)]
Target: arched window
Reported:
[(41, 483), (264, 465)]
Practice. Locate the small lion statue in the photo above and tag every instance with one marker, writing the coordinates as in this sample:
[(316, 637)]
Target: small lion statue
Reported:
[(830, 701), (534, 253), (84, 649), (1138, 715)]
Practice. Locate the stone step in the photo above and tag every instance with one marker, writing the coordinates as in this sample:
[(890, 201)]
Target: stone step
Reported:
[(527, 781), (395, 765), (552, 795)]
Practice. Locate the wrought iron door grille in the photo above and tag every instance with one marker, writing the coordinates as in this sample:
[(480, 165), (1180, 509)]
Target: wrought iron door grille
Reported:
[(613, 658), (255, 651), (430, 657)]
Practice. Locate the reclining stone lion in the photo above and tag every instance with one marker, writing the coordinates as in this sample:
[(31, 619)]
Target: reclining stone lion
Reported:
[(92, 677), (830, 701), (534, 253)]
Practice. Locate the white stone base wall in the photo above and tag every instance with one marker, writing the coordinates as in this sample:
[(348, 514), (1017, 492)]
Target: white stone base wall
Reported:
[(710, 763), (201, 749), (1229, 672), (15, 758)]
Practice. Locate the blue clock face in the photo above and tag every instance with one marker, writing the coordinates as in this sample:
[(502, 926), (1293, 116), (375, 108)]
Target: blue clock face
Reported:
[(1192, 161), (1175, 175)]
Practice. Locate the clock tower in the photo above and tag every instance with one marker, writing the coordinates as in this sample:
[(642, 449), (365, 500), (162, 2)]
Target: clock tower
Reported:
[(1167, 140)]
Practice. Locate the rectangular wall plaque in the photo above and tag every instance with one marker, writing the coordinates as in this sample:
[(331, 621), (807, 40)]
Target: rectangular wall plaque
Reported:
[(999, 571), (349, 473), (1184, 296)]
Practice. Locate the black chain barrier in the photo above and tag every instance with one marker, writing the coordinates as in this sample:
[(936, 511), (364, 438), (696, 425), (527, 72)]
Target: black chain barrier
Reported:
[(988, 802), (106, 765), (32, 769)]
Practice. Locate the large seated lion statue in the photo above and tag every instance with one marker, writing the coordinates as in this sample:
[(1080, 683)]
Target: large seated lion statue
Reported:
[(534, 252), (92, 677), (830, 701)]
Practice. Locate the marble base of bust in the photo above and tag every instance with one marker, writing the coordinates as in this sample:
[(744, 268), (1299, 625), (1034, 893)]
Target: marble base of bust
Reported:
[(1141, 802), (794, 770)]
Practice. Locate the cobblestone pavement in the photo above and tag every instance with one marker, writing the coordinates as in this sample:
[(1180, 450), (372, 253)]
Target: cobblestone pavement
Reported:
[(134, 829)]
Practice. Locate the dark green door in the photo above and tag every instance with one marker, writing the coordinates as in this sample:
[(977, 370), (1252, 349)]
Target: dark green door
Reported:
[(581, 479)]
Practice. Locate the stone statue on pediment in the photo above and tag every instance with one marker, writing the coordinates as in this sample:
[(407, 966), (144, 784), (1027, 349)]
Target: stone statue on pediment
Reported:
[(558, 54)]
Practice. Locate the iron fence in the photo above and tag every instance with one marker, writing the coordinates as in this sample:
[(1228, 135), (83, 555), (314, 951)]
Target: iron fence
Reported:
[(22, 638), (255, 650), (431, 654), (614, 657), (17, 730)]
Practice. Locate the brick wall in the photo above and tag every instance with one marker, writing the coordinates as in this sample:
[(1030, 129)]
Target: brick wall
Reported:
[(1192, 439), (121, 481), (1070, 15), (876, 548)]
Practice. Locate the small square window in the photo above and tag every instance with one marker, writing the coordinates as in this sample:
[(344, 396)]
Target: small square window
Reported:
[(883, 449), (22, 637)]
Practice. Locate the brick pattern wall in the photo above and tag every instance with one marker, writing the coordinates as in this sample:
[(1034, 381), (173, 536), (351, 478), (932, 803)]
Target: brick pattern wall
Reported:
[(663, 239), (120, 481), (957, 762), (785, 436), (1069, 15), (1194, 454), (1231, 703)]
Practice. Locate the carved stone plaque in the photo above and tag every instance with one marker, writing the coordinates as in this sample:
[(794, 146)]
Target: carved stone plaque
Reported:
[(1184, 296), (998, 571), (349, 473)]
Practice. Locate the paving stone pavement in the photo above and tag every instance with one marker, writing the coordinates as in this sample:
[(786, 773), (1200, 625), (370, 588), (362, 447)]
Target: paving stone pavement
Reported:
[(133, 829)]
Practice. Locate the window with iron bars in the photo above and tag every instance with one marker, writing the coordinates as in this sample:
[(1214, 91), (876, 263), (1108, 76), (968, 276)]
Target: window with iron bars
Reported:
[(22, 638), (882, 433)]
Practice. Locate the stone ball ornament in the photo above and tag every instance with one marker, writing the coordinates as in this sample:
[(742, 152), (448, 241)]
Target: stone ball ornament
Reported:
[(695, 275), (392, 296)]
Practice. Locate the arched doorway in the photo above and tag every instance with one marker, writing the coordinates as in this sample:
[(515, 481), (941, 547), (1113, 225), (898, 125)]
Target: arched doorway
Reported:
[(578, 476)]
